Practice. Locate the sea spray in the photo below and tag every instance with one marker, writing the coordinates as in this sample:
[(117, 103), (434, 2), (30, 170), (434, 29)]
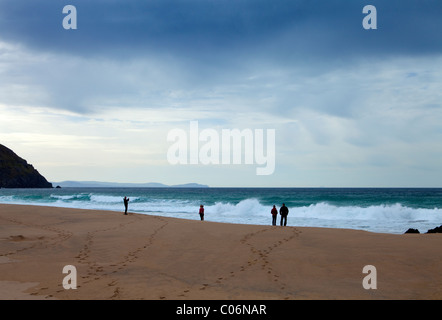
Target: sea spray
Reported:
[(377, 210)]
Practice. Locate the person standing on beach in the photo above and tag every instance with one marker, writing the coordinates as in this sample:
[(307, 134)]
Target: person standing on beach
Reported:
[(284, 211), (126, 204), (274, 213), (202, 212)]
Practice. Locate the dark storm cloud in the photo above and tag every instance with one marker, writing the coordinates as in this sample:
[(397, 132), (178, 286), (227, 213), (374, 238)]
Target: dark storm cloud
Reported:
[(275, 29), (191, 52), (340, 96)]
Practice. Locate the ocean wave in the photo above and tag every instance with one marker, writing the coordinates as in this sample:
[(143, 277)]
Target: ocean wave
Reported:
[(327, 211), (79, 197), (106, 199), (383, 212), (390, 218), (395, 218), (243, 208), (6, 199)]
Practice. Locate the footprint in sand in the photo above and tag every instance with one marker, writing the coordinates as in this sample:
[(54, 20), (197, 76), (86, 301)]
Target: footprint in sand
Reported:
[(205, 285)]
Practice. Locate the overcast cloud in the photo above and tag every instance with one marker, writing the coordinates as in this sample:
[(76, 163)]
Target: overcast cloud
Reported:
[(352, 107)]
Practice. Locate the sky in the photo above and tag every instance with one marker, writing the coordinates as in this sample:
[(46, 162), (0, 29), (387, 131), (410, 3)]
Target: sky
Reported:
[(350, 107)]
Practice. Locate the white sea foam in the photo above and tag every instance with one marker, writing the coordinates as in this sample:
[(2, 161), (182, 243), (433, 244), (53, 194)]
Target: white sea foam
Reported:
[(391, 218), (80, 196), (380, 218), (377, 213)]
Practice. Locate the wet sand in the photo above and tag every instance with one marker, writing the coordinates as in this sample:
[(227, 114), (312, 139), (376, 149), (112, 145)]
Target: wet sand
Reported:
[(137, 256)]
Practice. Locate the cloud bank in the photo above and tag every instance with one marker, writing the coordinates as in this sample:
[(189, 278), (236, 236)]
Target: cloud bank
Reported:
[(350, 106)]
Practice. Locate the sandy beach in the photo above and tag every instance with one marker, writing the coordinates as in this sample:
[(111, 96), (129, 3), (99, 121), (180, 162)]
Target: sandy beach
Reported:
[(137, 256)]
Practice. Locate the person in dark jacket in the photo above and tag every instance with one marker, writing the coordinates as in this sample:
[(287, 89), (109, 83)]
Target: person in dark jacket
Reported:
[(126, 204), (284, 211)]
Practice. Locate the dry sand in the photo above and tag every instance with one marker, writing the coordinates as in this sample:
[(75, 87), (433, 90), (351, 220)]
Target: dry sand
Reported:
[(151, 257)]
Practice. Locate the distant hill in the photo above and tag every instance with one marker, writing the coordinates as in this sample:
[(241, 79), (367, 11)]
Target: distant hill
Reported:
[(15, 172), (99, 184)]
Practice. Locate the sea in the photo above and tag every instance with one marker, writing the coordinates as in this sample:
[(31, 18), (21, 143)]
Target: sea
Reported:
[(381, 210)]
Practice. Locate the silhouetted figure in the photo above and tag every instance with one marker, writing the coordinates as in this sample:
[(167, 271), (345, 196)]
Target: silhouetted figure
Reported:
[(274, 213), (126, 204), (202, 212), (284, 211)]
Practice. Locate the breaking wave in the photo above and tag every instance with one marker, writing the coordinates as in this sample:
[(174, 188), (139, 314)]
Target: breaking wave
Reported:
[(389, 218)]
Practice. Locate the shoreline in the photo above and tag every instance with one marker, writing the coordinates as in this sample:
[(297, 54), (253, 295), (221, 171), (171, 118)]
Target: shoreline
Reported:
[(140, 256), (392, 212), (158, 214)]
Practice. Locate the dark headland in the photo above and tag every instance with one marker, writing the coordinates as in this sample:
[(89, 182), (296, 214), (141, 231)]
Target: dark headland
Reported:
[(16, 172)]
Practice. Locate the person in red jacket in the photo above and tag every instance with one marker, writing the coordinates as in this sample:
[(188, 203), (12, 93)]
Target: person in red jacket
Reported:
[(202, 212), (274, 213)]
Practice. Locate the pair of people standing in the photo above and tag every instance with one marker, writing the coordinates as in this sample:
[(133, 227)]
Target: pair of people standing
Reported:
[(283, 211)]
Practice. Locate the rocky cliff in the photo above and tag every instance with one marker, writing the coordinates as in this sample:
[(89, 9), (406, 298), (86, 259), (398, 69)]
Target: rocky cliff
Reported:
[(15, 172)]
